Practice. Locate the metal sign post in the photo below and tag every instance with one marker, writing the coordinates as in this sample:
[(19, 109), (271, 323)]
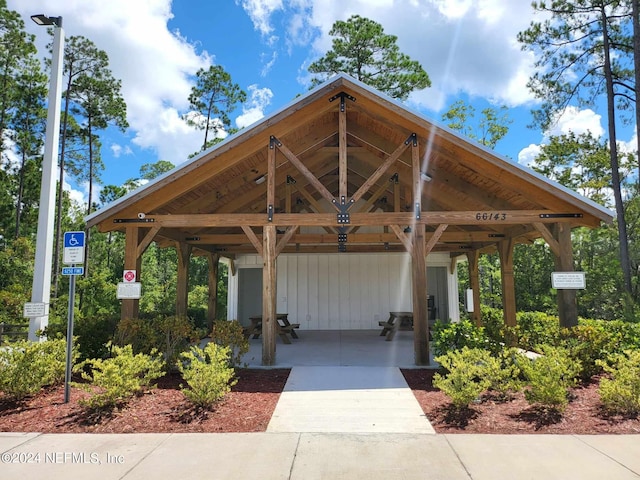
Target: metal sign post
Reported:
[(73, 253)]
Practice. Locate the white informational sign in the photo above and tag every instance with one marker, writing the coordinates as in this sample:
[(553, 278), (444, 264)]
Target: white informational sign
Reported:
[(568, 280), (129, 291), (33, 310), (73, 248), (129, 276)]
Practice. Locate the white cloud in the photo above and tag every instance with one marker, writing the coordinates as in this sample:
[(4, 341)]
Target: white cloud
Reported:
[(528, 155), (119, 150), (464, 45), (260, 12), (577, 121), (253, 109), (154, 64)]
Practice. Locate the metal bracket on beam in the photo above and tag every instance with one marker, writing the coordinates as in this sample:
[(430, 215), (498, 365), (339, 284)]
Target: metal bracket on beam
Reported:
[(133, 220), (417, 211), (497, 235), (395, 178), (342, 96), (274, 142), (191, 239), (270, 213), (412, 139), (343, 214), (560, 215), (291, 180)]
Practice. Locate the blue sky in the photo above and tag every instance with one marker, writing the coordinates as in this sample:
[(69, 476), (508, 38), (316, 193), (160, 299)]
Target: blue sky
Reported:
[(468, 48)]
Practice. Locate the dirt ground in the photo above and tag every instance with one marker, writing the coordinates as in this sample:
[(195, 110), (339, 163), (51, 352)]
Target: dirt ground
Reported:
[(249, 406)]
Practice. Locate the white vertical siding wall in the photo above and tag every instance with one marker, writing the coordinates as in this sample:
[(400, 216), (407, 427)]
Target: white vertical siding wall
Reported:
[(341, 292)]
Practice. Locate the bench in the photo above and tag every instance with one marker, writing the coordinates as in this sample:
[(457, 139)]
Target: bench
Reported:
[(13, 332)]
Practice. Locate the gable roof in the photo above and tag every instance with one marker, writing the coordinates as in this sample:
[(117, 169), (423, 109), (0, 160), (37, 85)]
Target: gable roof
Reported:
[(458, 175)]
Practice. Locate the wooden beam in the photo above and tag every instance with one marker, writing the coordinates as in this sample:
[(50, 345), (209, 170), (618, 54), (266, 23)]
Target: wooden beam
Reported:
[(307, 238), (416, 177), (269, 279), (567, 304), (473, 259), (505, 249), (271, 176), (130, 307), (482, 218), (212, 280), (435, 238), (306, 173), (380, 171), (253, 239), (342, 150), (548, 237), (146, 240), (285, 239), (182, 282), (419, 297), (402, 236)]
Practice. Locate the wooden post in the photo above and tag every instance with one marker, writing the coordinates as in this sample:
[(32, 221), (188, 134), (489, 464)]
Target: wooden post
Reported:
[(420, 306), (342, 150), (473, 259), (567, 303), (182, 288), (212, 310), (130, 308), (505, 248), (269, 292)]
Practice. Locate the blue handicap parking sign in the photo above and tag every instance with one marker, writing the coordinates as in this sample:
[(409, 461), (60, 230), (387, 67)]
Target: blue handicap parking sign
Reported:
[(73, 239)]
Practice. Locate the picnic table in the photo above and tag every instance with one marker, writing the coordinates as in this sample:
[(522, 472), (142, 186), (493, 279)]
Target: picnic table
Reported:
[(397, 321), (285, 328)]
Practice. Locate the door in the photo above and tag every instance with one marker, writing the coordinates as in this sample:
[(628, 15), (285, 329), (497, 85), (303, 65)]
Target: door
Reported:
[(249, 294)]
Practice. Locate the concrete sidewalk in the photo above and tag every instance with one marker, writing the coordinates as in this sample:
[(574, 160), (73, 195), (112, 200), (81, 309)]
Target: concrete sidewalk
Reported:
[(348, 400), (305, 456)]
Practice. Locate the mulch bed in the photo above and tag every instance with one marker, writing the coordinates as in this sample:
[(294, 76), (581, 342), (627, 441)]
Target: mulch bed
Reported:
[(249, 406), (584, 414)]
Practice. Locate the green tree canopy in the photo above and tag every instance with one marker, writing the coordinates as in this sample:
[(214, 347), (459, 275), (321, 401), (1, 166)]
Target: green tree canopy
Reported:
[(213, 98), (362, 50)]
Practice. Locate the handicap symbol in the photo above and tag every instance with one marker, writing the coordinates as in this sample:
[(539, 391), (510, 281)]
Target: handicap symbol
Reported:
[(73, 241)]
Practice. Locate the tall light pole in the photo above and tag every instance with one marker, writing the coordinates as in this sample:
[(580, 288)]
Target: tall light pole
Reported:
[(41, 290)]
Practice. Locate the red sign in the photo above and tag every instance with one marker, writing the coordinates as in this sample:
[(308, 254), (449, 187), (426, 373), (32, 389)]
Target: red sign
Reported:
[(129, 276)]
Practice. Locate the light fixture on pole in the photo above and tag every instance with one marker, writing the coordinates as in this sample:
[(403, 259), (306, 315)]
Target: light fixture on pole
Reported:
[(41, 290)]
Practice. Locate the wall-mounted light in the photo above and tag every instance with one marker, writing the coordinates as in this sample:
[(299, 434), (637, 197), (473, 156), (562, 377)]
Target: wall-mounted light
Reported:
[(425, 177)]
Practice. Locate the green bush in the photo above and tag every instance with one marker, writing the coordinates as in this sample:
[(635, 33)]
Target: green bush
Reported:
[(549, 377), (504, 374), (590, 342), (114, 380), (230, 334), (26, 367), (621, 392), (466, 377), (448, 337), (207, 373), (537, 328), (170, 335)]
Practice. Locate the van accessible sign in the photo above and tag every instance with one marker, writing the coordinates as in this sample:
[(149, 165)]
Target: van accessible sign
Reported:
[(568, 280)]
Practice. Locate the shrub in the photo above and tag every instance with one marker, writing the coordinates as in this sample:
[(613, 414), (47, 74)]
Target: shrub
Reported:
[(466, 378), (167, 334), (536, 328), (230, 334), (207, 373), (114, 380), (456, 335), (26, 367), (621, 392), (504, 374), (549, 377), (589, 342)]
